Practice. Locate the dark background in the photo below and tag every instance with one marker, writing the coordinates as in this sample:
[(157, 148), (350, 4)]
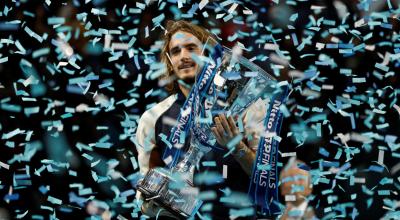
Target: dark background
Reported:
[(46, 158)]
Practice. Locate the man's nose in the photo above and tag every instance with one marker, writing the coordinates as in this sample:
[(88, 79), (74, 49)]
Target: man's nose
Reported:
[(185, 54)]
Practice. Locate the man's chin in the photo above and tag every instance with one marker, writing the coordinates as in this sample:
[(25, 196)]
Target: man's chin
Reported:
[(189, 80), (188, 77)]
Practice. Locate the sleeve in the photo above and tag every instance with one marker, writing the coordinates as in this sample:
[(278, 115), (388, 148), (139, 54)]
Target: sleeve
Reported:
[(254, 123), (145, 143)]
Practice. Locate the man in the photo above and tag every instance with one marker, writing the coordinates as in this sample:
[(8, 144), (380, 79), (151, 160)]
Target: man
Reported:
[(184, 43), (296, 187)]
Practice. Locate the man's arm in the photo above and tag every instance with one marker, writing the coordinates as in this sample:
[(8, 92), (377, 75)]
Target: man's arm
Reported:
[(148, 157)]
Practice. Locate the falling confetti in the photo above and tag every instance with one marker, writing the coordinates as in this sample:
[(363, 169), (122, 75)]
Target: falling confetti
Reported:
[(76, 76)]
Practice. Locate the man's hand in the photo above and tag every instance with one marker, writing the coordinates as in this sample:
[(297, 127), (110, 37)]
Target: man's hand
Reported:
[(225, 129), (151, 209)]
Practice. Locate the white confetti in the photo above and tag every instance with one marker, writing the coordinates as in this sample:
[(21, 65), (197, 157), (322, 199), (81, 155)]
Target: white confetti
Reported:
[(224, 171)]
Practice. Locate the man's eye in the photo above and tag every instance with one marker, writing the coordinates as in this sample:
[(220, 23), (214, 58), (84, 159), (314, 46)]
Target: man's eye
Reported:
[(174, 52), (192, 48)]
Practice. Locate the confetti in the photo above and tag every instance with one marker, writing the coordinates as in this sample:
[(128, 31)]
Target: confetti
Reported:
[(4, 165), (77, 76)]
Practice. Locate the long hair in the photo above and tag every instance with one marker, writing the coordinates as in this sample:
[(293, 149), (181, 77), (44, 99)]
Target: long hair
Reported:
[(172, 27)]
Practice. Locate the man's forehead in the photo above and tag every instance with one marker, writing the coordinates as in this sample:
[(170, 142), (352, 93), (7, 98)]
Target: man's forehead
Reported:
[(183, 38)]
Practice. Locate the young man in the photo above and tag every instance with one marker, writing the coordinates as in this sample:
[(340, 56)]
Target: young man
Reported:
[(296, 188), (183, 43)]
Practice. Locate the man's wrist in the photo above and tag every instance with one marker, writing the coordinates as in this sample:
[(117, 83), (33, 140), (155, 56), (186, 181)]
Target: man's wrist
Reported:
[(241, 149)]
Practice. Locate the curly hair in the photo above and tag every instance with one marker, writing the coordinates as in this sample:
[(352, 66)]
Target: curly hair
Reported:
[(172, 27)]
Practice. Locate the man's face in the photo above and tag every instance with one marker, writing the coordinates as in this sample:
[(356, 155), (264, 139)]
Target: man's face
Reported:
[(182, 47)]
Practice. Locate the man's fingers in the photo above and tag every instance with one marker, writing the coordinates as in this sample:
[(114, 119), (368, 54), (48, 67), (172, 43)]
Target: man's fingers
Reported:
[(219, 128), (225, 125), (232, 124), (216, 133), (244, 119)]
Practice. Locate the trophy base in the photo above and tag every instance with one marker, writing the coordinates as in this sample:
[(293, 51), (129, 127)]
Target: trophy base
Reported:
[(181, 202)]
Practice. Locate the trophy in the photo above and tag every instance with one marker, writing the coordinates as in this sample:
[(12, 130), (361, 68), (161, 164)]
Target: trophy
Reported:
[(236, 84)]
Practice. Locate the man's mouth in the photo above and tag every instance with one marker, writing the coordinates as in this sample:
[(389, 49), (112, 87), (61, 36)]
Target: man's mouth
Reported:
[(186, 66)]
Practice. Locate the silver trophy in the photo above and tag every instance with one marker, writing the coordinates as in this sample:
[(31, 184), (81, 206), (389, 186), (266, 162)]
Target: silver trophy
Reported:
[(237, 84)]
